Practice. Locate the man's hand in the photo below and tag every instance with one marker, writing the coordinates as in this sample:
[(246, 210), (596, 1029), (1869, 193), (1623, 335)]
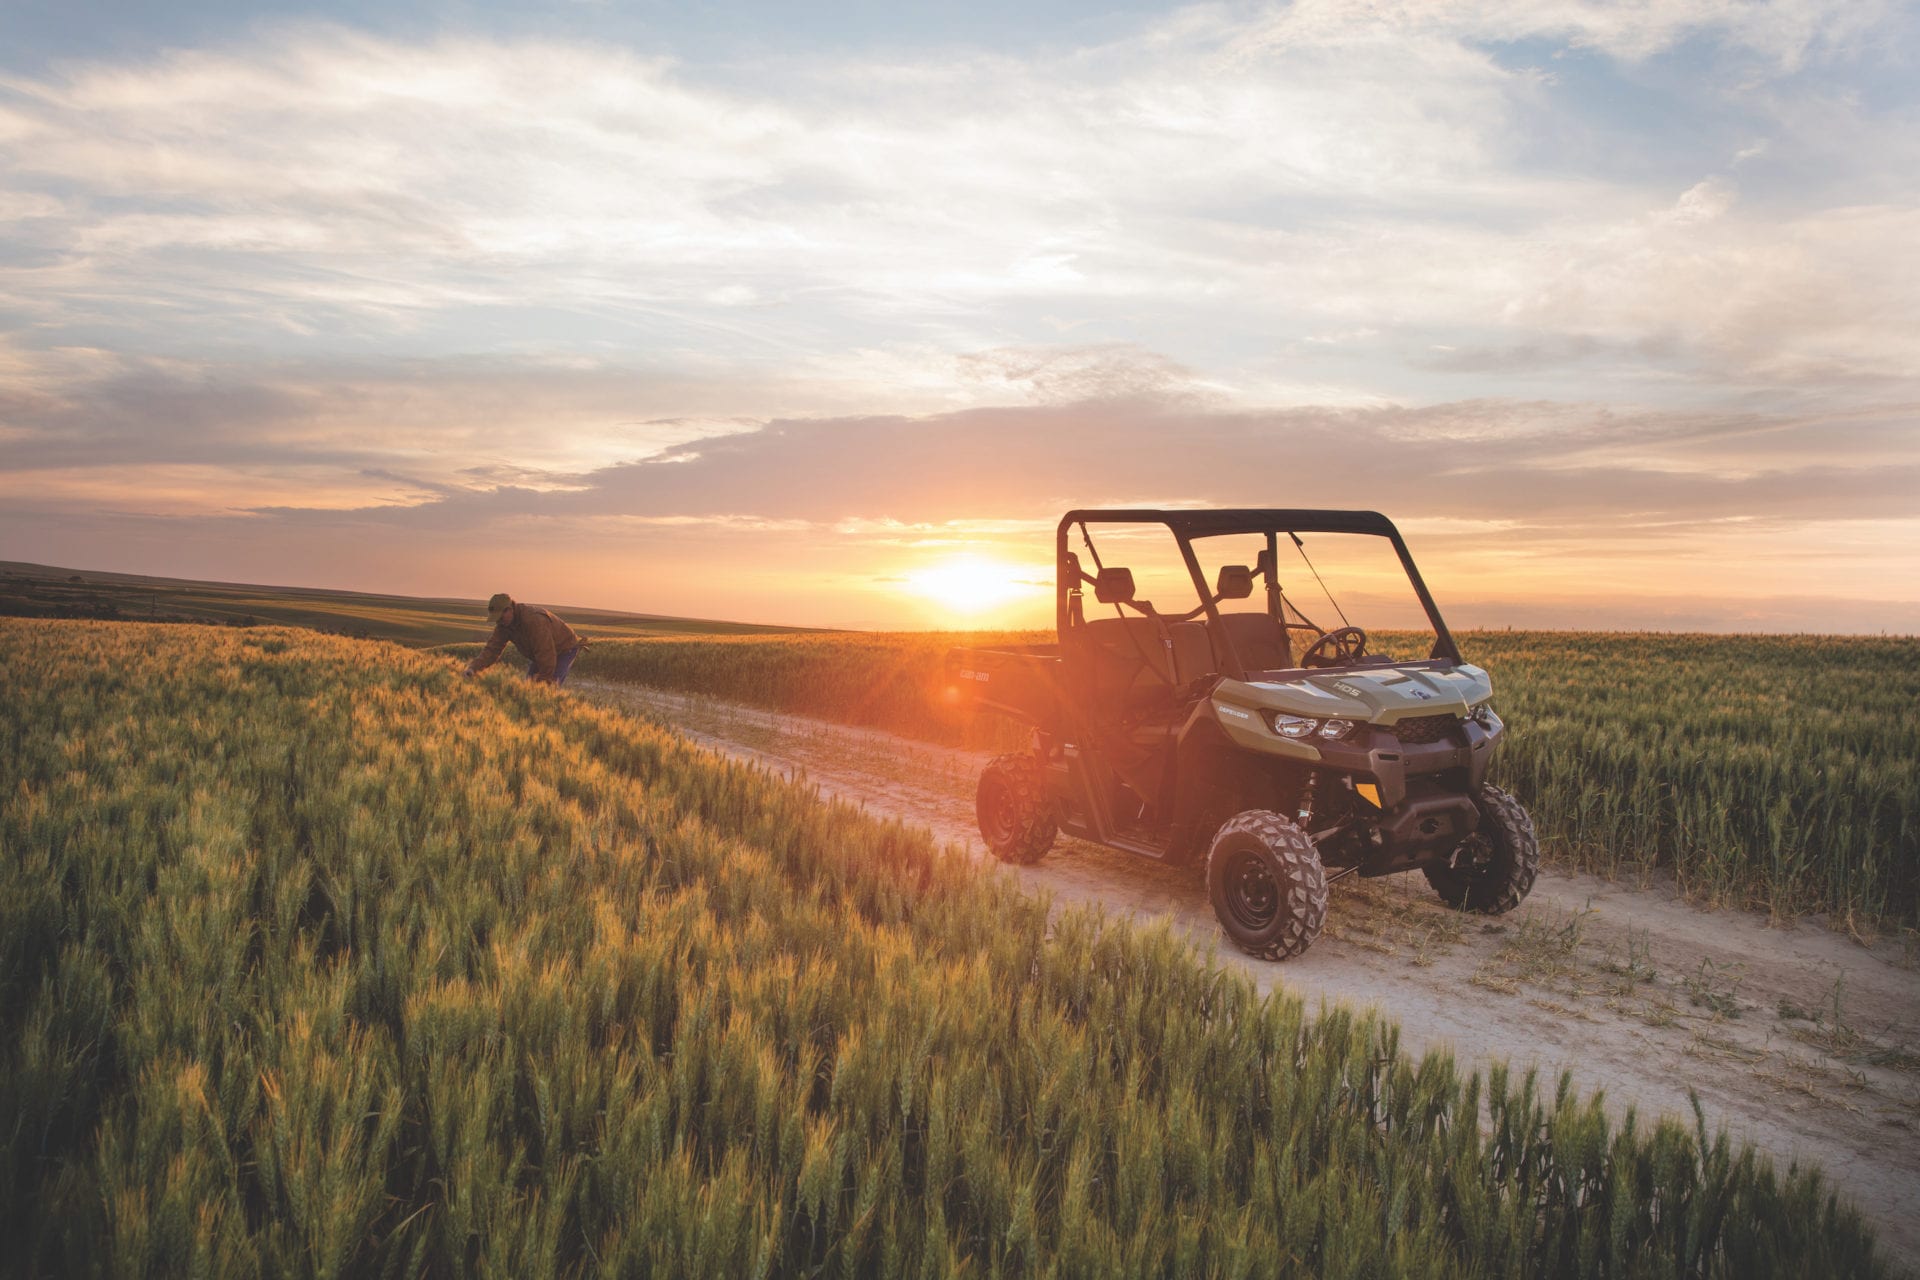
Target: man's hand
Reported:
[(467, 671)]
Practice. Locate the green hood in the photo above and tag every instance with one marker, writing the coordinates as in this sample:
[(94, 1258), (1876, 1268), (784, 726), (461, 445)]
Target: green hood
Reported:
[(1377, 695)]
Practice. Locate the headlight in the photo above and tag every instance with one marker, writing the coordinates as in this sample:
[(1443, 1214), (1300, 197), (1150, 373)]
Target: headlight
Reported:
[(1484, 716), (1294, 726), (1336, 728)]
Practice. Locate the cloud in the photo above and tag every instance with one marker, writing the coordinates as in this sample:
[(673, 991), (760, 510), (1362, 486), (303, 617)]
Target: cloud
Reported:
[(1556, 510), (455, 422), (1223, 187), (1528, 475), (1562, 470), (1071, 375), (462, 443), (1783, 32)]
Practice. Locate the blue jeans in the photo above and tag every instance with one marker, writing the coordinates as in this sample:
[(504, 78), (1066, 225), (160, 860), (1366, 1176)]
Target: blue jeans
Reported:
[(561, 665)]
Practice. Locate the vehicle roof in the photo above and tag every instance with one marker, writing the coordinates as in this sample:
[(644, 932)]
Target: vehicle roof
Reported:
[(1202, 522)]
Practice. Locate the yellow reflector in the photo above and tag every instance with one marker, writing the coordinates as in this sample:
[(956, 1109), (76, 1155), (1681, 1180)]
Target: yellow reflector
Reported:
[(1368, 792)]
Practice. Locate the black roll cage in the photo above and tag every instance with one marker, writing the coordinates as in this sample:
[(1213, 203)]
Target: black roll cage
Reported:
[(1189, 525)]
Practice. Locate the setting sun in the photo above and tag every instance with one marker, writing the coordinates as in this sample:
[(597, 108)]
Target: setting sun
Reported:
[(971, 585)]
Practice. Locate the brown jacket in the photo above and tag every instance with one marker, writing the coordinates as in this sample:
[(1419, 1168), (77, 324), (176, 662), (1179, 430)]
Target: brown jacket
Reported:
[(536, 633)]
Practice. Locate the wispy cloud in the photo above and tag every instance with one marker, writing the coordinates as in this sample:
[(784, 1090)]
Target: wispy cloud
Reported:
[(1784, 33)]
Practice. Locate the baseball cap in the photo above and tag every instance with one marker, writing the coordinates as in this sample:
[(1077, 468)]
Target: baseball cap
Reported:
[(500, 603)]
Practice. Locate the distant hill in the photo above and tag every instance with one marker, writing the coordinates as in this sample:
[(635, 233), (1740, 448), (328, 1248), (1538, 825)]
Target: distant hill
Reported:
[(44, 591)]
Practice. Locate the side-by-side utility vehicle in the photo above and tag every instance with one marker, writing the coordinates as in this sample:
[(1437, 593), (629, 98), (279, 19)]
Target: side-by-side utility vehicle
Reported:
[(1252, 741)]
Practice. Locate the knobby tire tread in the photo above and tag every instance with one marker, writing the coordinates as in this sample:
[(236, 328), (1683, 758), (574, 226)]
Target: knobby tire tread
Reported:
[(1035, 825), (1296, 867), (1510, 824)]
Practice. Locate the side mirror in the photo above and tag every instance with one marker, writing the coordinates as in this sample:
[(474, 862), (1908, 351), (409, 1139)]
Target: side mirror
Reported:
[(1263, 566), (1113, 586), (1235, 582)]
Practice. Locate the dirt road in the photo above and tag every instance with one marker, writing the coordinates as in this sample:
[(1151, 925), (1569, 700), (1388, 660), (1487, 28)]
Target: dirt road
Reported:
[(1801, 1040)]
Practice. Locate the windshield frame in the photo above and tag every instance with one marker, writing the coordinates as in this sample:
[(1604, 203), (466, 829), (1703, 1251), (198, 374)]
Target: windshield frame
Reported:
[(1187, 525)]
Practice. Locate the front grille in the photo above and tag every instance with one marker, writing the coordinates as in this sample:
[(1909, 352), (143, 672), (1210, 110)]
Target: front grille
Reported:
[(1421, 729)]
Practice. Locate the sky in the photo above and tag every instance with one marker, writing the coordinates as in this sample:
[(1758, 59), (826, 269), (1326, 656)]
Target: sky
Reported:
[(823, 314)]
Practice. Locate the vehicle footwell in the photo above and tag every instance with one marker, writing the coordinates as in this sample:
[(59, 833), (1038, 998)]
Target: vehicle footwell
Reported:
[(1799, 1040)]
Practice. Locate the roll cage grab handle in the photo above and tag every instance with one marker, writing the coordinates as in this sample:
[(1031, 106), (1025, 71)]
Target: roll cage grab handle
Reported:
[(1188, 525)]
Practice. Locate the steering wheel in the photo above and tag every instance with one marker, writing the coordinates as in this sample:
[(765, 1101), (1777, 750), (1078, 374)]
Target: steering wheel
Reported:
[(1344, 644)]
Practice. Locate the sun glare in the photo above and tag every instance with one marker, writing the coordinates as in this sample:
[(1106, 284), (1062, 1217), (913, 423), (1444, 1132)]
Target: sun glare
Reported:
[(970, 585)]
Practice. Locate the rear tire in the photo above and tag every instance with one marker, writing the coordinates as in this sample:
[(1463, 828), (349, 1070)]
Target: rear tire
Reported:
[(1015, 812), (1268, 888), (1493, 870)]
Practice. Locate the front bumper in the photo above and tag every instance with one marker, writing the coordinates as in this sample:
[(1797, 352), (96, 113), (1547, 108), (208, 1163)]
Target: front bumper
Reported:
[(1375, 754)]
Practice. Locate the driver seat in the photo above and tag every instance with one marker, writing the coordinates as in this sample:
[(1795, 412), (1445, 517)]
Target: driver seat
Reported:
[(1259, 639)]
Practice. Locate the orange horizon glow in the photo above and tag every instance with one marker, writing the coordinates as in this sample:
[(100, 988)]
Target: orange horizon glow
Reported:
[(1810, 579)]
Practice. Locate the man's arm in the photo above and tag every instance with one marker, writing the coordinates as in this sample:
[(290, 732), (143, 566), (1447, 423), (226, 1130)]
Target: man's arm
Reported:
[(496, 645)]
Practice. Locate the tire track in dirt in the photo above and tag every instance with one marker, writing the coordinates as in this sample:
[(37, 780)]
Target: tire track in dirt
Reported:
[(1799, 1040)]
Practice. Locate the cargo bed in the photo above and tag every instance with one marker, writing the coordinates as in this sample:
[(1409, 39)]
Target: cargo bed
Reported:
[(1022, 681)]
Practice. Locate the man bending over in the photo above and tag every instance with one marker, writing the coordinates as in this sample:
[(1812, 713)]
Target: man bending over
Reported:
[(549, 645)]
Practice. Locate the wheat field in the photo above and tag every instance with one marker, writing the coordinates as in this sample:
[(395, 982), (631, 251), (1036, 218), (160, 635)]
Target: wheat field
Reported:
[(319, 961)]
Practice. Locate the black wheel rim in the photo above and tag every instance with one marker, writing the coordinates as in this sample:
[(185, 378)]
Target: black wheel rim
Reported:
[(1473, 860), (1253, 896), (996, 813)]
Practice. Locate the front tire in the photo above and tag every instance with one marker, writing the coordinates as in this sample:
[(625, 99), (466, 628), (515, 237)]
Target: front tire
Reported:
[(1493, 870), (1268, 888), (1015, 812)]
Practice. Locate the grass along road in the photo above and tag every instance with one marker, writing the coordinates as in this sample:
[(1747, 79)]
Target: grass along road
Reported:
[(1780, 773), (1800, 1040)]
